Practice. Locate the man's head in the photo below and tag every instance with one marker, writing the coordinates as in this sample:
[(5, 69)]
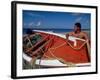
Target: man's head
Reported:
[(77, 27)]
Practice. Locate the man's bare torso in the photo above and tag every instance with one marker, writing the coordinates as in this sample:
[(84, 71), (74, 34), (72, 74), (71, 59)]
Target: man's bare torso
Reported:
[(82, 35)]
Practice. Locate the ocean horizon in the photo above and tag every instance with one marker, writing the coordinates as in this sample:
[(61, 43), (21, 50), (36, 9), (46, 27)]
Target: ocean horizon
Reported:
[(52, 30)]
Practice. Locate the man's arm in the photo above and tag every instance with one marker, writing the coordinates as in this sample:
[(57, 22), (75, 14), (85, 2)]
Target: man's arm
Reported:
[(68, 34), (86, 37)]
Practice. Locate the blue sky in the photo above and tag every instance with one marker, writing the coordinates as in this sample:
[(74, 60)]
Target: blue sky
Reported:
[(46, 19)]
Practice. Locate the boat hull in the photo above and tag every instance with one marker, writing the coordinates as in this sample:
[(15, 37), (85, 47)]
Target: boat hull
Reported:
[(60, 50), (54, 50)]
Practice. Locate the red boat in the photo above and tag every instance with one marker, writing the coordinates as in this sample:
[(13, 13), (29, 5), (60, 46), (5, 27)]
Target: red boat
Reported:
[(56, 51)]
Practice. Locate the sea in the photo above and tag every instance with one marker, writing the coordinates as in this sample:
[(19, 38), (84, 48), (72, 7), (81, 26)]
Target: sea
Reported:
[(62, 31)]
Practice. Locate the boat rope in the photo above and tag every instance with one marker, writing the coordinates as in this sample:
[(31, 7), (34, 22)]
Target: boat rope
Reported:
[(46, 55), (29, 41), (62, 60), (59, 46), (85, 42), (69, 64)]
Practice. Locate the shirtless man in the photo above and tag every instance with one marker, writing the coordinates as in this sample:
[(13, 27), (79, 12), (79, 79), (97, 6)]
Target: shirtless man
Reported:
[(77, 32)]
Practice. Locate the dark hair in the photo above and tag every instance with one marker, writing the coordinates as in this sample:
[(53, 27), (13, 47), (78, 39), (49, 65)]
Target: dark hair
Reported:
[(78, 25)]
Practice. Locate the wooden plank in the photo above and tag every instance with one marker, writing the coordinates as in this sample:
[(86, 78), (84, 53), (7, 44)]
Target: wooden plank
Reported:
[(36, 44), (35, 52)]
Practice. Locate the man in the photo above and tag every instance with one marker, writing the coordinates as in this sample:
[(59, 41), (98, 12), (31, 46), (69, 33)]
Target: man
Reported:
[(78, 32)]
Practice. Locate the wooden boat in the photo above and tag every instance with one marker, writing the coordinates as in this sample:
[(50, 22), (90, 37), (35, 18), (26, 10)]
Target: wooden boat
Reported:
[(55, 51)]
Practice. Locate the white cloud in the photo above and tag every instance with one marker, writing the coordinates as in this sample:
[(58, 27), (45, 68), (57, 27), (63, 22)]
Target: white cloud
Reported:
[(38, 23), (78, 19), (31, 24), (34, 14)]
